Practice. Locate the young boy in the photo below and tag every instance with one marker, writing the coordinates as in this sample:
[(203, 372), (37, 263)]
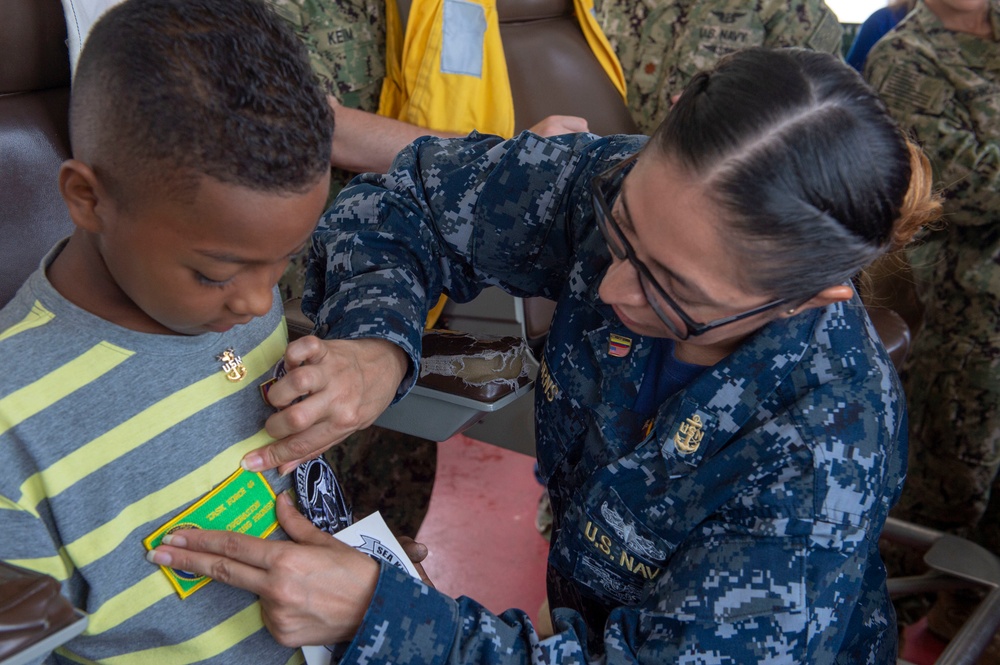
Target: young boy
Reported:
[(134, 357)]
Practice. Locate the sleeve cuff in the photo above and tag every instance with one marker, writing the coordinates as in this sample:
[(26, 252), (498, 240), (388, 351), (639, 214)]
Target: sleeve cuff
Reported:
[(407, 623)]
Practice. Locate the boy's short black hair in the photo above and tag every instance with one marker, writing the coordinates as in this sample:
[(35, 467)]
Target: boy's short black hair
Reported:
[(169, 90)]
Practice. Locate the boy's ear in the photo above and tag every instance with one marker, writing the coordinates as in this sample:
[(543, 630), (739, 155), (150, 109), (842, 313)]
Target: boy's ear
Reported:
[(827, 296), (82, 191)]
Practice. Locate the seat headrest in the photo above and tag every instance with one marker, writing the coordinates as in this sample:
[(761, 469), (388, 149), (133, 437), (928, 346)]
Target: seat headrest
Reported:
[(33, 53), (512, 11), (515, 11)]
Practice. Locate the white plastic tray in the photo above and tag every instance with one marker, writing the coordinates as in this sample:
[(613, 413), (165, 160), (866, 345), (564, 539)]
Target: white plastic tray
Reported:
[(437, 415)]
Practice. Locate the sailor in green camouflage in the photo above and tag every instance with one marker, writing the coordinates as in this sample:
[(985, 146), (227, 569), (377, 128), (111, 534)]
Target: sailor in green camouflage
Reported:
[(662, 44), (346, 43), (943, 86), (379, 469)]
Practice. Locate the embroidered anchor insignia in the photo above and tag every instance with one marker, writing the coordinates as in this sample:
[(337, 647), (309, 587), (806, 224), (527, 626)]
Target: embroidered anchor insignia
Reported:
[(691, 429), (232, 365)]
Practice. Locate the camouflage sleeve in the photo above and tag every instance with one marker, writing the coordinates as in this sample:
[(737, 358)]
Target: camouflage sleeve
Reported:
[(804, 23), (409, 623), (957, 128), (454, 216), (783, 597), (346, 43)]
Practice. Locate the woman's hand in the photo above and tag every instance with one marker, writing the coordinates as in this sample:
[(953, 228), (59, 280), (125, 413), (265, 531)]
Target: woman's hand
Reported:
[(314, 590), (346, 385)]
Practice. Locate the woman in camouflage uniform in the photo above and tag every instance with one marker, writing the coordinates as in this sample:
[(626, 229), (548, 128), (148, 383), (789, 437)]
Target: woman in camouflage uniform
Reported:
[(718, 426)]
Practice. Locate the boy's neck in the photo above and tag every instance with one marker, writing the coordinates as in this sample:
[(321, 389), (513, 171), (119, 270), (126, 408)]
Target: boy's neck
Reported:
[(79, 274)]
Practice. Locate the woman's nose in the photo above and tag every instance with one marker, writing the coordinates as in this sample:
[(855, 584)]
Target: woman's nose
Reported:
[(621, 286)]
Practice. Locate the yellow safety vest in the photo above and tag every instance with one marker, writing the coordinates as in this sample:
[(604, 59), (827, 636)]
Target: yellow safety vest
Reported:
[(450, 73), (452, 51)]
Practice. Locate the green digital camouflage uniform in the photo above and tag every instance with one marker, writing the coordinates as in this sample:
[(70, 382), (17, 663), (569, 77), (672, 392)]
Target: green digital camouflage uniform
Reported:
[(346, 43), (944, 87), (662, 44), (379, 469)]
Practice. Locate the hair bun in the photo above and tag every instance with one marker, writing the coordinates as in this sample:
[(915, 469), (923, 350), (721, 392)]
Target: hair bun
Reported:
[(921, 205)]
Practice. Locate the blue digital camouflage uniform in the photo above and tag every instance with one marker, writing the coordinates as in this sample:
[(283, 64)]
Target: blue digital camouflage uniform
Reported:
[(757, 544)]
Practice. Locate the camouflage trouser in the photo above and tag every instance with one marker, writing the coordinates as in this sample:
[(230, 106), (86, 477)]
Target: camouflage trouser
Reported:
[(387, 471), (952, 383)]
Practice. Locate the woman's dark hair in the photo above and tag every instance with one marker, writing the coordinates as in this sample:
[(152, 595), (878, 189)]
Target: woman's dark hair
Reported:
[(813, 176), (170, 90)]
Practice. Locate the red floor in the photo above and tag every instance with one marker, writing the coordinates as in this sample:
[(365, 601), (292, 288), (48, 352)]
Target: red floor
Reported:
[(480, 529), (919, 646)]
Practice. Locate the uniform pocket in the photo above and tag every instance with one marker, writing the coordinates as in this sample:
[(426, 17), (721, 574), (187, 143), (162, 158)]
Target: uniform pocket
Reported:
[(726, 579), (609, 550)]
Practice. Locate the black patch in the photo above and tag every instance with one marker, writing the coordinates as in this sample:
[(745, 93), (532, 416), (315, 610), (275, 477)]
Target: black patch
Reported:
[(321, 498)]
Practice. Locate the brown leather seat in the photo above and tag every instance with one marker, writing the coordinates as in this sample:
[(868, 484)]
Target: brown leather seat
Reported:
[(894, 333), (34, 135), (31, 609), (552, 69), (34, 141)]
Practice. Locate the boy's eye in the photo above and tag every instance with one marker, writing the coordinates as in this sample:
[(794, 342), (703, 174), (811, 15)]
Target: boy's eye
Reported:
[(208, 281)]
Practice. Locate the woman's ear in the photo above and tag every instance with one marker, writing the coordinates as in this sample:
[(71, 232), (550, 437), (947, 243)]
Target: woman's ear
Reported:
[(82, 191), (827, 296)]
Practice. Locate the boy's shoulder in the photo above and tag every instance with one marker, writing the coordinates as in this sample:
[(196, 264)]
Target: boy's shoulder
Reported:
[(39, 309), (31, 308), (41, 333)]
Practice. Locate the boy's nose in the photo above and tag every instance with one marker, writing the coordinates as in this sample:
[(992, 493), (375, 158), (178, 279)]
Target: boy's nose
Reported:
[(254, 300)]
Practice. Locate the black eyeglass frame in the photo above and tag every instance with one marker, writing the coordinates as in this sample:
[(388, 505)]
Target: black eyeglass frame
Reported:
[(607, 224)]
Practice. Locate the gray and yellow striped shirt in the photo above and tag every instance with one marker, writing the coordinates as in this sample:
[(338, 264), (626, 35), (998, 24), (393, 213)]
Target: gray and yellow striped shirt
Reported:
[(105, 435)]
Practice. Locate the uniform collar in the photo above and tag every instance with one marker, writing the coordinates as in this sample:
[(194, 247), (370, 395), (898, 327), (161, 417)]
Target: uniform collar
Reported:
[(722, 399)]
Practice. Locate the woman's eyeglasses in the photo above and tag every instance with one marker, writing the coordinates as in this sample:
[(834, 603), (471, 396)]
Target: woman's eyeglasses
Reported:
[(675, 318)]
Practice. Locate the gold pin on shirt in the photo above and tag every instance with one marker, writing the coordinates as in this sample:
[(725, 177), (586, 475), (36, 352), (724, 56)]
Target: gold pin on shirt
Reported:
[(232, 365), (689, 435)]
